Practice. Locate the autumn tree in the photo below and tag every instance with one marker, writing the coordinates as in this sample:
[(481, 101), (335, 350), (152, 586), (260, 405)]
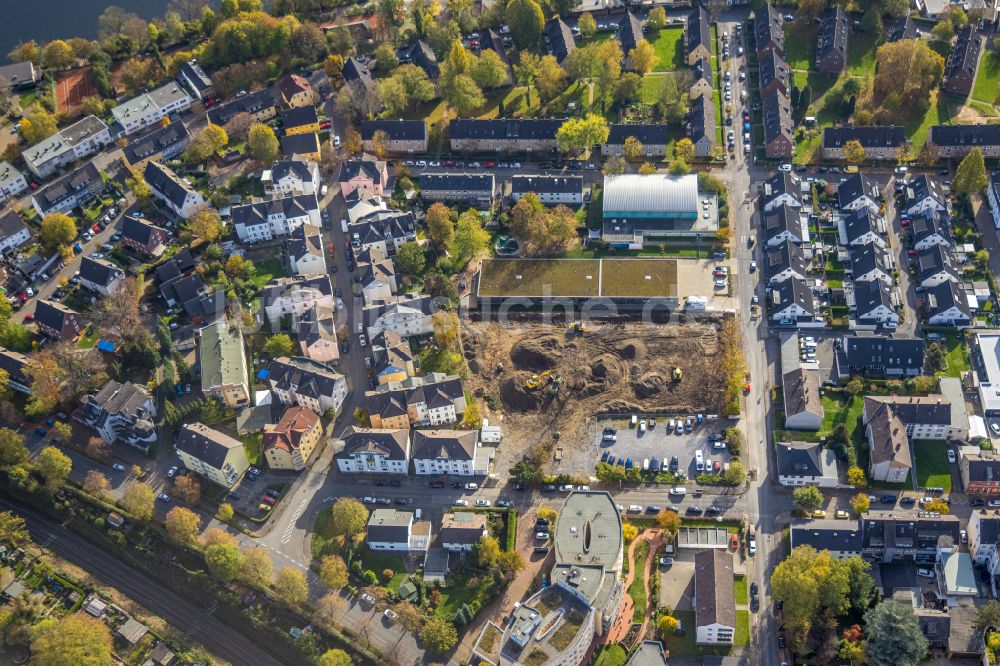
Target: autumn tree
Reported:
[(333, 66), (684, 149), (462, 94), (57, 231), (74, 640), (487, 551), (614, 165), (263, 143), (439, 635), (657, 19), (54, 466), (224, 561), (647, 168), (37, 124), (12, 448), (577, 135), (856, 477), (587, 26), (183, 524), (187, 488), (906, 73), (439, 226), (334, 657), (206, 143), (543, 230), (632, 148), (860, 503), (643, 57), (471, 239), (445, 326), (667, 625), (550, 78), (216, 535), (970, 177), (205, 225), (854, 152), (526, 71), (257, 567), (278, 345), (13, 531), (669, 521), (138, 500), (348, 519), (95, 482), (291, 585), (333, 571), (488, 70)]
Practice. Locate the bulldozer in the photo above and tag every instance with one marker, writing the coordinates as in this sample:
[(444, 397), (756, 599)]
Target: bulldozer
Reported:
[(534, 381)]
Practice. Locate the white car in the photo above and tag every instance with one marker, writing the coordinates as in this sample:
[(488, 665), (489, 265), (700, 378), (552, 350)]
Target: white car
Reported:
[(753, 266), (565, 488), (752, 547), (718, 445), (172, 472), (482, 502), (951, 457), (542, 536), (163, 497), (926, 573), (421, 163), (642, 425), (993, 503), (390, 615), (678, 490), (461, 502), (666, 561), (995, 429)]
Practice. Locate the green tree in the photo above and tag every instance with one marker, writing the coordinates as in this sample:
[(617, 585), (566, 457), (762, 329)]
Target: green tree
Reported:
[(587, 26), (678, 167), (292, 586), (334, 658), (263, 144), (894, 635), (309, 43), (643, 57), (57, 232), (439, 226), (672, 100), (576, 135), (13, 531), (333, 571), (224, 561), (527, 70), (854, 386), (439, 635), (139, 187), (37, 124), (257, 567), (75, 640), (657, 19), (937, 358), (278, 345), (411, 259), (489, 71), (970, 177), (12, 448), (807, 498), (487, 552), (471, 239), (988, 615), (462, 94), (183, 524), (526, 20), (684, 149), (138, 500), (54, 466), (854, 152)]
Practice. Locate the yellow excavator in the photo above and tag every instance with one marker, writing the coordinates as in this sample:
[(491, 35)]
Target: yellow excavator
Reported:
[(534, 381), (678, 374)]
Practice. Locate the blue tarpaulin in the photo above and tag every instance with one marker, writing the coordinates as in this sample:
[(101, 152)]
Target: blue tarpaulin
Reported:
[(106, 345), (264, 374)]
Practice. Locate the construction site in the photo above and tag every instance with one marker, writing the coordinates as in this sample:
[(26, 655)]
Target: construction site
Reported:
[(544, 381)]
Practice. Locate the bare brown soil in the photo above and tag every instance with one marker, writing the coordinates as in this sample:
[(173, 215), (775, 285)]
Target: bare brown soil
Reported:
[(612, 368)]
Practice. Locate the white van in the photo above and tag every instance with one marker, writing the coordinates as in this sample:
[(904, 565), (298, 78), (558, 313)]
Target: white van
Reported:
[(699, 461), (678, 490)]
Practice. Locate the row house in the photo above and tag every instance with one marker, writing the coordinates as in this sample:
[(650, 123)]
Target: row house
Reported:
[(504, 135), (782, 224), (295, 91), (984, 543), (16, 365), (363, 173), (551, 190), (435, 399), (260, 105), (143, 236), (929, 229), (870, 262), (697, 37), (784, 261), (774, 74), (558, 38), (13, 231), (398, 137), (859, 191), (956, 141), (960, 67), (304, 251), (223, 361), (288, 444), (875, 356), (58, 321), (160, 145), (12, 181), (316, 330), (288, 177), (265, 220), (879, 142), (475, 188), (924, 194), (859, 227), (652, 137), (374, 227), (393, 358), (831, 41), (934, 266), (295, 295), (374, 451), (100, 276), (301, 147), (703, 77), (980, 471), (197, 81), (301, 120), (179, 196), (151, 107), (701, 125), (782, 189), (948, 305), (377, 276), (452, 452), (871, 304), (768, 30), (993, 197), (779, 139), (407, 315), (83, 138), (792, 302), (212, 454), (75, 188), (890, 538), (301, 381)]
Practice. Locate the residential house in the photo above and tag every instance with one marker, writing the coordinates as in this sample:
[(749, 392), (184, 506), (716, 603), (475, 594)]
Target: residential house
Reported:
[(420, 54), (462, 530), (783, 262), (874, 356), (307, 383), (984, 536), (890, 538), (377, 276), (870, 262), (174, 191), (451, 452), (162, 144), (77, 187), (260, 105), (316, 330), (925, 194), (223, 361), (792, 301), (264, 220), (879, 142), (12, 181), (769, 30), (389, 529), (960, 67), (803, 407), (653, 653), (779, 141), (956, 141), (289, 443), (993, 197), (713, 601), (504, 135), (365, 172), (806, 464), (934, 266), (13, 231), (406, 314), (301, 146), (947, 305), (174, 267), (903, 28), (559, 39), (891, 421), (304, 251), (188, 293), (287, 177), (551, 190), (151, 107), (401, 137), (858, 191), (374, 451), (212, 454), (697, 37), (373, 226), (831, 44), (58, 321), (19, 76), (357, 75), (701, 125), (435, 399), (100, 276), (295, 295), (143, 237), (861, 227), (652, 137), (15, 364), (980, 471), (929, 229), (197, 81), (295, 91), (703, 77), (783, 224), (81, 139), (477, 188), (842, 539), (873, 305), (393, 358), (121, 413), (774, 74), (782, 189), (300, 120)]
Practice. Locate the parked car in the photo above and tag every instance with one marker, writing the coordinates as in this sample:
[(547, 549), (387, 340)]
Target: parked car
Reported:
[(118, 467)]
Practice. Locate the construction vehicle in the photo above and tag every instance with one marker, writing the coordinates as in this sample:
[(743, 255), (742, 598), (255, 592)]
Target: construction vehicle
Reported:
[(554, 387), (678, 374), (534, 381), (579, 327)]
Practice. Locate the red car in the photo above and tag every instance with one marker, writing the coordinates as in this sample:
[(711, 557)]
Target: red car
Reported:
[(267, 500), (912, 252), (904, 223), (96, 228), (33, 185), (325, 124), (29, 317), (716, 465), (23, 297), (449, 163), (489, 165)]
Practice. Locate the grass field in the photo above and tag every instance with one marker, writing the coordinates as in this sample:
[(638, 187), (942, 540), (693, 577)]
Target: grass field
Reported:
[(800, 40), (931, 461), (267, 271), (379, 562), (669, 47), (742, 636), (612, 655), (740, 592), (683, 644), (861, 53), (637, 590), (958, 357), (988, 78), (940, 113)]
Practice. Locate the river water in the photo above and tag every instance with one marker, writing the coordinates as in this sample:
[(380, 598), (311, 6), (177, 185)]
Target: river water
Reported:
[(44, 20)]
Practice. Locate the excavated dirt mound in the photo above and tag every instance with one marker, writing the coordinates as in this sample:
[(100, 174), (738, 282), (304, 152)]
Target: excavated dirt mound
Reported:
[(649, 386), (517, 397), (536, 354)]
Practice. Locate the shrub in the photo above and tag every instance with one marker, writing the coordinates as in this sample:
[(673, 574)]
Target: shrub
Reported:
[(387, 574), (370, 577)]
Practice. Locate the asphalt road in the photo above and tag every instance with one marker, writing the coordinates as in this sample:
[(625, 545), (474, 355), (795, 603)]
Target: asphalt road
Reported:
[(236, 645)]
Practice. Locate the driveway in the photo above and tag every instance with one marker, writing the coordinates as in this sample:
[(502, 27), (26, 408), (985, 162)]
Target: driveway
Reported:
[(677, 585)]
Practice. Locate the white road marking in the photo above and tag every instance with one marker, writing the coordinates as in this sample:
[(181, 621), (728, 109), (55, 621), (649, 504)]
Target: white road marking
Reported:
[(287, 535)]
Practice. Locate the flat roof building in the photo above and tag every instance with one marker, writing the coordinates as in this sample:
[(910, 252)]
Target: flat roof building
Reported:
[(644, 209)]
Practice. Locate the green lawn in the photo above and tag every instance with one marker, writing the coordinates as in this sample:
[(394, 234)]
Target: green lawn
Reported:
[(742, 628), (740, 592), (637, 590), (322, 534), (379, 562), (861, 53), (937, 114), (837, 409), (957, 355), (460, 592), (252, 445), (988, 78), (931, 462), (800, 39), (267, 271), (89, 339), (683, 644), (612, 655), (669, 47)]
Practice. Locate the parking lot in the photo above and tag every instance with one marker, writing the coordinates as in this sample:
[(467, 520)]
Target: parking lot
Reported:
[(660, 442)]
